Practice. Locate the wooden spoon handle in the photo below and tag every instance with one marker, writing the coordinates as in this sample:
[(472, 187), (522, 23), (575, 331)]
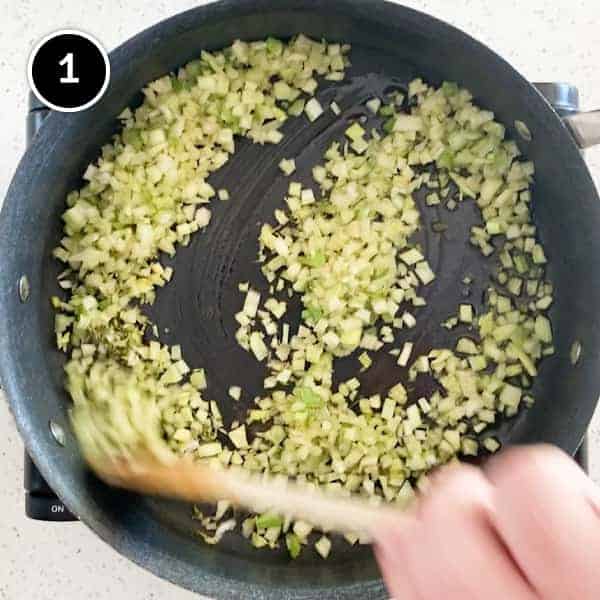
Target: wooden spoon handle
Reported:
[(327, 511), (193, 482)]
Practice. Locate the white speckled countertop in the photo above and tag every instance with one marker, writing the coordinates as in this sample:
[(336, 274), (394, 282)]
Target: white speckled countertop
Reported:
[(545, 40)]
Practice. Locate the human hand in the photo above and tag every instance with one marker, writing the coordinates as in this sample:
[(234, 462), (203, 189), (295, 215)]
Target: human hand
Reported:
[(525, 527)]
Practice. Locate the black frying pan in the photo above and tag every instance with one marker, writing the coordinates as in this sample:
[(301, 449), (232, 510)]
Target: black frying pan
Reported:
[(391, 45)]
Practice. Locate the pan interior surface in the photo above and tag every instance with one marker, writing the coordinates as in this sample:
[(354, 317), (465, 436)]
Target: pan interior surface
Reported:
[(390, 46), (197, 308)]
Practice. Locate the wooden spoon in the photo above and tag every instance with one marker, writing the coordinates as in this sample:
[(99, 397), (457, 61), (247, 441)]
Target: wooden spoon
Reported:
[(183, 479)]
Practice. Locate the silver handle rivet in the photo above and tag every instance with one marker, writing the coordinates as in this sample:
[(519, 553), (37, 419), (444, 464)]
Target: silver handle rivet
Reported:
[(24, 288), (58, 433), (575, 352)]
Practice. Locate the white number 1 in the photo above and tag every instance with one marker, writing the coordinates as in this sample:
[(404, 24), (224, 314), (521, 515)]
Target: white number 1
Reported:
[(68, 60)]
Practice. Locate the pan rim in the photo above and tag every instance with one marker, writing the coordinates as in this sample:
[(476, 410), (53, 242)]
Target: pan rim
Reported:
[(171, 568)]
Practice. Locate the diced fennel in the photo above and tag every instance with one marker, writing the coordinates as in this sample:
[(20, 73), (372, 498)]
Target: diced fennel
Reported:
[(469, 447), (355, 131), (543, 329), (235, 391), (198, 379), (465, 313), (313, 109), (510, 396), (450, 323), (251, 303), (323, 546), (238, 437), (209, 449), (404, 356), (258, 346), (356, 236), (287, 165), (302, 529), (373, 105), (432, 199), (268, 520), (411, 257), (491, 444), (351, 538), (424, 272), (466, 346), (293, 545), (222, 507), (365, 360)]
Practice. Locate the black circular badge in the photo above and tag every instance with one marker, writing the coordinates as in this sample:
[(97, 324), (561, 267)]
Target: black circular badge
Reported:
[(68, 70)]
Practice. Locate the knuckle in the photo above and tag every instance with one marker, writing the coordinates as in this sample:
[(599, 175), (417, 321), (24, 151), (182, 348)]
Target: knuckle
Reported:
[(458, 488), (534, 467)]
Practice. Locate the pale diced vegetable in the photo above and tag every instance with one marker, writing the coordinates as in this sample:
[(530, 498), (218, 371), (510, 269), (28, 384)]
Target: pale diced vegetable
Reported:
[(287, 166), (323, 546), (313, 109)]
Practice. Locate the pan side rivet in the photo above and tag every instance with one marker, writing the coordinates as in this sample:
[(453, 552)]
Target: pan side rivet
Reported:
[(523, 130), (58, 433), (24, 288), (575, 352)]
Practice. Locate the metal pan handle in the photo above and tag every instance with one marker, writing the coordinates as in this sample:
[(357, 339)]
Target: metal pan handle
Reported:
[(584, 126)]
